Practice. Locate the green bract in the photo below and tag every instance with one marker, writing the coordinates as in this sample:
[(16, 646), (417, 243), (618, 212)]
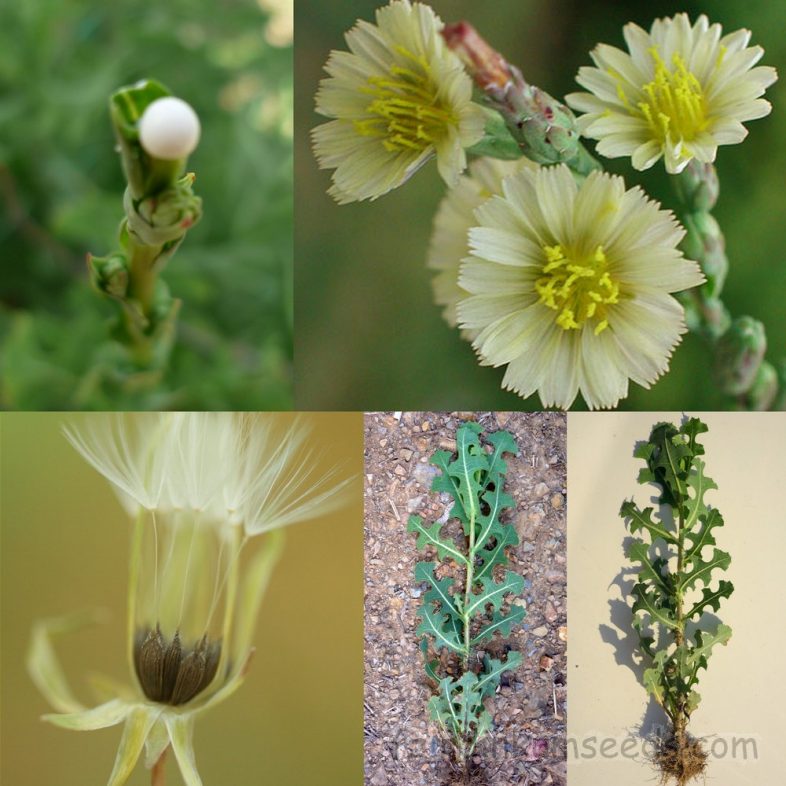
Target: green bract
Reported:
[(457, 615), (678, 561)]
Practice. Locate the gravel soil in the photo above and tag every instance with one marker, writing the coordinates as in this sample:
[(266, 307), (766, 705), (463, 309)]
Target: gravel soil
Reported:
[(402, 746)]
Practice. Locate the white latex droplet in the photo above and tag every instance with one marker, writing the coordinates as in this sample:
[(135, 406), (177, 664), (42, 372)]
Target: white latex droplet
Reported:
[(169, 129)]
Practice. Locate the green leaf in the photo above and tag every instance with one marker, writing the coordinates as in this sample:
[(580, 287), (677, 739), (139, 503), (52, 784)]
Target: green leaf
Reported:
[(440, 626), (494, 592), (489, 678), (503, 442), (711, 598), (431, 537), (502, 623), (703, 536), (702, 569), (651, 569), (488, 524), (642, 520), (705, 641), (440, 592), (489, 557), (461, 478), (649, 603)]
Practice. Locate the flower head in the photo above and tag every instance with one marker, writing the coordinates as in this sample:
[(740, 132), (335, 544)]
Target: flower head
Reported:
[(169, 129), (455, 215), (680, 92), (569, 286), (399, 97), (200, 486)]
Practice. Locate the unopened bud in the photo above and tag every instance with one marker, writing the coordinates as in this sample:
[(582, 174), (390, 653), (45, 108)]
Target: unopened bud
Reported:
[(109, 274), (697, 186), (739, 354), (764, 389)]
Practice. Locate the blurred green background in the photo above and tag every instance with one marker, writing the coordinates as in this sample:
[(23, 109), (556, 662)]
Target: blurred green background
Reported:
[(297, 719), (61, 192), (368, 333)]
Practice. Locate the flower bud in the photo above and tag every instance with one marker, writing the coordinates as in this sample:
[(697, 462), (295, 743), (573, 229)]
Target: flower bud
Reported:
[(739, 353), (169, 129), (764, 389)]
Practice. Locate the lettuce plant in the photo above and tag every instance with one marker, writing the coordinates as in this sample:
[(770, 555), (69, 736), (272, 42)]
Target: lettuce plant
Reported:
[(464, 609), (678, 562)]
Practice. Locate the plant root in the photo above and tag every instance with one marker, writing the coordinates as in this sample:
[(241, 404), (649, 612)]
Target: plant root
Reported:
[(679, 763)]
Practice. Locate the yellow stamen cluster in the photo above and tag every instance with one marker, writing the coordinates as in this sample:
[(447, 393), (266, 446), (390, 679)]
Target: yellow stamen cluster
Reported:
[(675, 104), (406, 111), (578, 289)]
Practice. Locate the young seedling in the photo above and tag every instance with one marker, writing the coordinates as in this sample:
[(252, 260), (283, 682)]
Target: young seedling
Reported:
[(465, 609), (155, 134), (673, 596)]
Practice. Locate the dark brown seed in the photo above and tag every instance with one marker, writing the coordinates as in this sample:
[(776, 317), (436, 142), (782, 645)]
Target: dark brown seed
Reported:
[(150, 664), (190, 677), (172, 660)]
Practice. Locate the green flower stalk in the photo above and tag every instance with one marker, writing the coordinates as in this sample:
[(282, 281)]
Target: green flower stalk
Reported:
[(739, 345), (455, 613), (208, 494), (675, 594), (155, 133)]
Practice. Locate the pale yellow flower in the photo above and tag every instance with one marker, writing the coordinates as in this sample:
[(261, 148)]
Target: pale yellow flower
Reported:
[(398, 98), (450, 235), (679, 92), (569, 286)]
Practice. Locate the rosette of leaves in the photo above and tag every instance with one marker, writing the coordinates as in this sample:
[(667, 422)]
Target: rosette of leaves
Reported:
[(678, 591), (459, 614)]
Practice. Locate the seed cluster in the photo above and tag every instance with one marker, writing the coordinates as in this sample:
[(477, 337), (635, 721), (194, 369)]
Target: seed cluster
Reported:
[(169, 672)]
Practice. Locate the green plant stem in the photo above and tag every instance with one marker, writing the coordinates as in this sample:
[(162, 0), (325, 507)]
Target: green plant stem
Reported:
[(679, 634), (468, 588), (142, 276)]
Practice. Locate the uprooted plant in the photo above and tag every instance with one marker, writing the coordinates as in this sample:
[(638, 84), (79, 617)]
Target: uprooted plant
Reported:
[(462, 610), (673, 596)]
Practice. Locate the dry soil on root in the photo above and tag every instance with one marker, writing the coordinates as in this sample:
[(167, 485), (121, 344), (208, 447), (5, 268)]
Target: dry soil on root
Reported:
[(402, 746)]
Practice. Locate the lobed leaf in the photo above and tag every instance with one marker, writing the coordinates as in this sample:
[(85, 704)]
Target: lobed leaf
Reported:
[(431, 537), (494, 592), (711, 598), (489, 678), (440, 591), (641, 520), (502, 623), (444, 629)]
